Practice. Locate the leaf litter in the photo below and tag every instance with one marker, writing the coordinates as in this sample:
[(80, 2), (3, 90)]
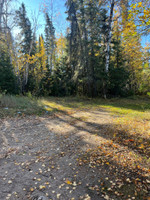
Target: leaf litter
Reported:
[(72, 156)]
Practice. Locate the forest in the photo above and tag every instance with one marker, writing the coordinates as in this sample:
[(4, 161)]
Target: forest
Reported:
[(100, 54)]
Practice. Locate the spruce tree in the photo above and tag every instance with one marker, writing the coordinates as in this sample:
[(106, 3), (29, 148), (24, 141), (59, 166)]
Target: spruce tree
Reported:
[(25, 26), (27, 48), (7, 76), (75, 43), (50, 43)]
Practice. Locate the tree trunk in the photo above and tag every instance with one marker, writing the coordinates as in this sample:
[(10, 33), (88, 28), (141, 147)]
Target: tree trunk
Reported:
[(1, 12), (109, 36), (108, 48), (85, 46)]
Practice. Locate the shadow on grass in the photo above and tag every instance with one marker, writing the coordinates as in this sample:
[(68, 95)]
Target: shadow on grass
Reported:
[(139, 104), (112, 131), (21, 106), (11, 105), (122, 137)]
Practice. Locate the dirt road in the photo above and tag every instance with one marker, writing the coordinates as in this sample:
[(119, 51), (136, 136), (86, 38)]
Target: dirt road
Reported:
[(40, 158)]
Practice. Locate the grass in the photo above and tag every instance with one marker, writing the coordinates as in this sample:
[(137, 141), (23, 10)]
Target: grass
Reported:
[(133, 108), (11, 106), (138, 108)]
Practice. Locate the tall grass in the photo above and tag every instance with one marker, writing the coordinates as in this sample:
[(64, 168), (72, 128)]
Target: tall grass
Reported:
[(14, 105), (9, 101)]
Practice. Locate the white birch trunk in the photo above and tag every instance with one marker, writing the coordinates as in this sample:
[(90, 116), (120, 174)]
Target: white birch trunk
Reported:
[(109, 36), (1, 12)]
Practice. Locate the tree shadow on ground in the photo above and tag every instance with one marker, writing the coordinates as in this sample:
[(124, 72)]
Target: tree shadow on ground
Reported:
[(100, 167), (110, 176), (58, 154), (111, 131), (140, 104)]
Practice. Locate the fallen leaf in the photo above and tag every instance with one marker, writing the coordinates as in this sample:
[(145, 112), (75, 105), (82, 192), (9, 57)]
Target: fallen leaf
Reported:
[(42, 187), (31, 189), (68, 182), (9, 181)]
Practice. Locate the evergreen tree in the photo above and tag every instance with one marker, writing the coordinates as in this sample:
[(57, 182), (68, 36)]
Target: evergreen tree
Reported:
[(74, 43), (50, 43), (61, 79), (101, 54), (7, 76), (84, 39), (25, 26), (27, 48), (40, 68)]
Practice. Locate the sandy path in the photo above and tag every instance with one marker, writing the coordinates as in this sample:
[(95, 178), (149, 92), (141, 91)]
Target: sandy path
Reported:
[(38, 156), (40, 159)]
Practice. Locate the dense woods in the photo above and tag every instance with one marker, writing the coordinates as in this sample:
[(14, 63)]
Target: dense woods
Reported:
[(101, 53)]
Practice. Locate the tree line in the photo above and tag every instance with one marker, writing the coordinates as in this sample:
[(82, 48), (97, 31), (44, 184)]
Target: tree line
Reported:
[(100, 55)]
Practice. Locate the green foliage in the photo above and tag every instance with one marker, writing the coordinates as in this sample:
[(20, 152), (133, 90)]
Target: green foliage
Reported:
[(27, 48), (75, 64), (25, 25), (46, 84), (7, 77), (62, 84), (118, 79), (50, 43)]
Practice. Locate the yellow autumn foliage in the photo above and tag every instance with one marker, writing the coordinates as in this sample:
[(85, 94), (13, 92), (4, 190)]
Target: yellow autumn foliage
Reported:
[(60, 46)]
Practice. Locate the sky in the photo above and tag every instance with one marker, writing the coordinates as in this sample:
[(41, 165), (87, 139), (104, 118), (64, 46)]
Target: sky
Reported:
[(35, 9)]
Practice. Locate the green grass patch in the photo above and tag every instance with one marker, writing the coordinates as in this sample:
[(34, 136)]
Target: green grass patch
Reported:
[(19, 105), (134, 108)]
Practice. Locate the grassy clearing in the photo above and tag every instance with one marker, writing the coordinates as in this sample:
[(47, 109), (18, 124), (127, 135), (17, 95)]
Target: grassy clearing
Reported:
[(138, 108), (129, 107)]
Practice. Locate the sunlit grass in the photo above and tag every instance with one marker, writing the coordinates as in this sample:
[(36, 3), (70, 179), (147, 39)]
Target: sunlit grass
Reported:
[(131, 109), (138, 108), (51, 105), (145, 114)]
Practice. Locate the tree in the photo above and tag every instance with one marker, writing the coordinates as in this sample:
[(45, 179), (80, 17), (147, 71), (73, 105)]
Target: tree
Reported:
[(60, 46), (27, 43), (7, 76), (109, 35), (74, 41), (50, 43), (140, 11), (1, 12), (101, 54), (132, 49), (40, 68)]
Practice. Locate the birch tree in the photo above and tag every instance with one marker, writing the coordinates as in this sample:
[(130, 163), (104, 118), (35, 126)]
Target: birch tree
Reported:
[(109, 35), (1, 12)]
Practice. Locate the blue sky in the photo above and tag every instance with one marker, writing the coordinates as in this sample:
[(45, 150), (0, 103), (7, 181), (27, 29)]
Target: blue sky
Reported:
[(145, 39), (59, 16), (34, 8)]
